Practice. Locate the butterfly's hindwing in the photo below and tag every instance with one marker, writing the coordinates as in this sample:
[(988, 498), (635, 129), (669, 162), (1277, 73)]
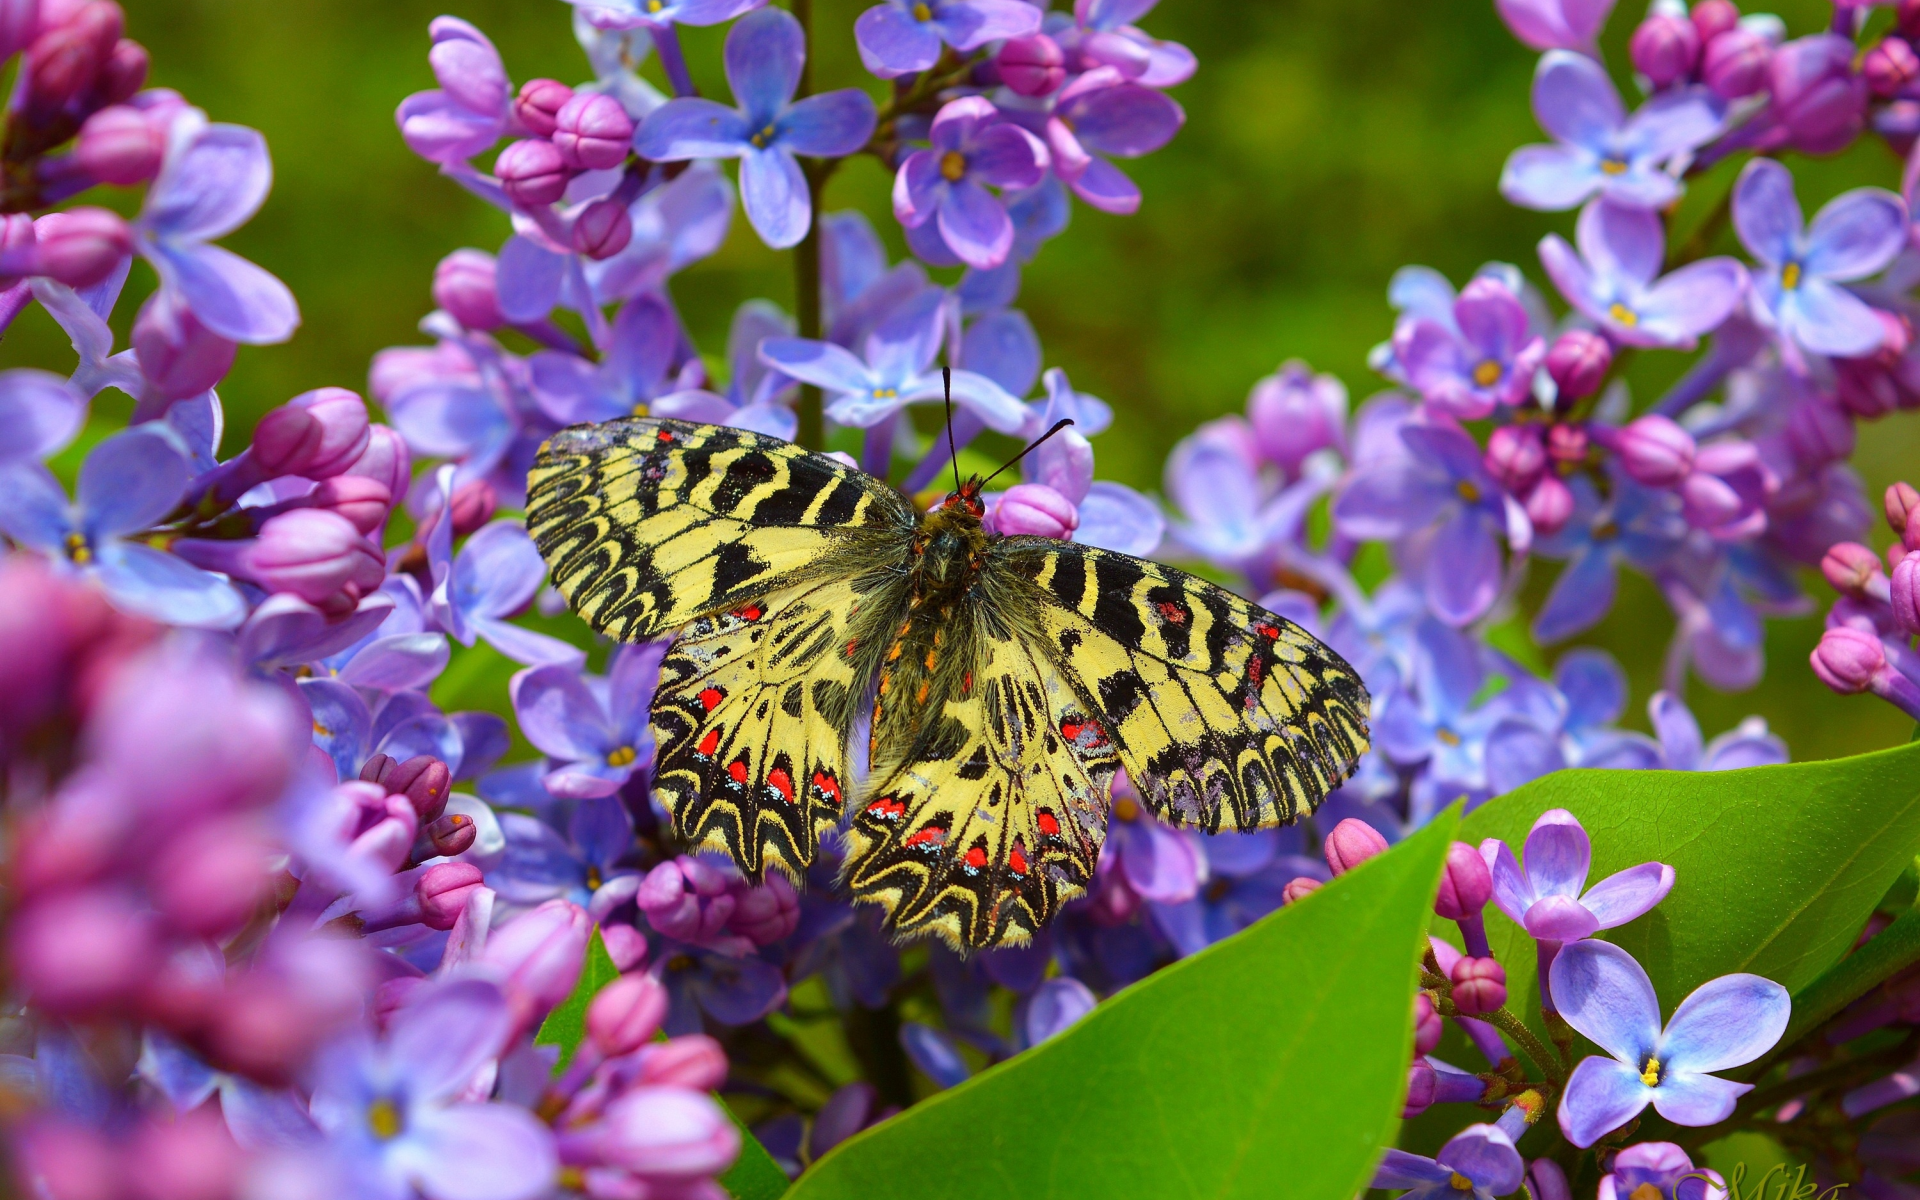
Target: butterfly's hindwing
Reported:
[(648, 523), (997, 814), (1226, 715)]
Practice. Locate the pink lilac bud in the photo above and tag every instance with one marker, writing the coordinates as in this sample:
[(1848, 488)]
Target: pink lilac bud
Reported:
[(81, 246), (626, 1014), (315, 435), (1712, 18), (1899, 504), (1819, 432), (1654, 450), (592, 132), (313, 554), (626, 946), (123, 74), (210, 879), (422, 779), (19, 21), (537, 957), (1890, 66), (451, 834), (1295, 414), (1427, 1026), (687, 900), (1298, 887), (532, 172), (1903, 593), (81, 952), (1708, 501), (474, 503), (1466, 885), (1549, 505), (602, 229), (1875, 384), (668, 1133), (365, 502), (1848, 660), (765, 914), (1817, 97), (1665, 48), (386, 460), (690, 1061), (464, 284), (1479, 985), (1567, 445), (1420, 1089), (1032, 66), (191, 1157), (539, 102), (120, 146), (1736, 63), (60, 67), (1578, 361), (179, 356), (1351, 843), (442, 891), (1035, 508), (1850, 568), (1515, 456)]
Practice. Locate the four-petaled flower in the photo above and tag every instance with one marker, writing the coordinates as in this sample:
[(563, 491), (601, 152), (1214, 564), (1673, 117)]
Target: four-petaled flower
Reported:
[(596, 728), (1615, 279), (903, 36), (765, 52), (1487, 357), (1605, 995), (1549, 897), (1479, 1161), (972, 148)]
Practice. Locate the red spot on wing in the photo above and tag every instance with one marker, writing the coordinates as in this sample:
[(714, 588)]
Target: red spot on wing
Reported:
[(708, 744), (738, 769), (1267, 631), (709, 697), (827, 785), (1049, 825), (752, 612), (1017, 859), (976, 858), (931, 838), (1173, 613), (781, 782), (664, 436), (966, 684), (886, 808), (1087, 735)]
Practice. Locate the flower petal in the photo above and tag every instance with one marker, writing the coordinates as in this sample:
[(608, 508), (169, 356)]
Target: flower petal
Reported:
[(232, 297), (1558, 855), (1726, 1022), (445, 1033), (497, 571), (1008, 157), (1512, 891), (1126, 120), (1400, 1169), (892, 43), (215, 178), (975, 225), (1621, 242), (691, 127), (1550, 178), (1678, 731), (1601, 1096), (1560, 919), (1695, 299), (829, 125), (822, 364), (1115, 517), (1107, 188), (479, 1152), (39, 414), (1624, 895), (1689, 1098), (152, 583), (559, 715), (1463, 567), (764, 53), (1766, 214), (1856, 234), (774, 192), (1580, 597), (130, 481), (1604, 994), (1828, 319), (1574, 101), (1485, 1155)]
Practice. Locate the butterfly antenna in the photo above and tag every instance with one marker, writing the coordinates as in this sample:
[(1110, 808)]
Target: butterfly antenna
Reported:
[(1062, 423), (953, 452)]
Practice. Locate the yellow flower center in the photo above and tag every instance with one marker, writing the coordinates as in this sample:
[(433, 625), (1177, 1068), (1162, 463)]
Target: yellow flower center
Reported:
[(654, 6), (1651, 1076), (640, 409), (763, 138), (1468, 491), (78, 550), (953, 166), (1460, 1183), (1790, 276), (1447, 736), (1623, 314), (680, 962), (922, 13), (321, 730), (622, 757), (885, 394), (1613, 166), (383, 1117), (1646, 1191), (1486, 373), (1126, 809), (594, 879), (1605, 531)]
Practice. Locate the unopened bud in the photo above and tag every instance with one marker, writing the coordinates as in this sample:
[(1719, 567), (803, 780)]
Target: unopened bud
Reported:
[(1567, 445), (315, 435), (1904, 593), (602, 229), (539, 101), (1466, 885), (592, 132), (1420, 1089), (1549, 505), (1032, 66), (1578, 361), (1900, 502), (474, 503), (765, 914), (1850, 567), (123, 74), (1654, 450), (1427, 1026), (465, 285), (179, 356), (1819, 432), (1351, 843), (532, 172), (1037, 510), (692, 1061), (422, 779), (452, 834), (386, 460), (81, 246), (1515, 456), (1735, 63), (1665, 48), (1712, 18), (442, 890), (1297, 887), (1479, 985), (365, 502), (118, 145), (1847, 659), (1890, 66), (626, 1014)]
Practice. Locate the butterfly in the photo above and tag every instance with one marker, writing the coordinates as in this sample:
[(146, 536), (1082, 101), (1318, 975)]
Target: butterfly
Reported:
[(1004, 680)]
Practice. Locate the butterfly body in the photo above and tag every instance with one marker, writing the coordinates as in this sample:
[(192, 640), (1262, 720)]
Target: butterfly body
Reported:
[(1010, 678)]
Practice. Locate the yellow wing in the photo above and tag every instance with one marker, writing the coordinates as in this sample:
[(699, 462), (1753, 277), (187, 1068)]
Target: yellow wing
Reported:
[(753, 713), (1226, 715), (997, 816), (648, 523)]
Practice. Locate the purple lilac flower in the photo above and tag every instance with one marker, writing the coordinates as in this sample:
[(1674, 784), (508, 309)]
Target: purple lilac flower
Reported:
[(39, 414), (1230, 516), (897, 371), (1796, 294), (1487, 359), (1106, 33), (214, 178), (1102, 113), (636, 14), (1605, 995), (1596, 693), (1479, 1161), (1555, 24), (900, 37), (585, 863), (494, 577), (1245, 876), (597, 729), (1665, 1168), (469, 111), (465, 399), (1615, 281), (1053, 1008), (1111, 516), (1642, 527), (394, 1113), (765, 51), (732, 989), (405, 724), (1550, 899), (636, 371), (1438, 483), (1601, 149), (1748, 744), (128, 483), (972, 149)]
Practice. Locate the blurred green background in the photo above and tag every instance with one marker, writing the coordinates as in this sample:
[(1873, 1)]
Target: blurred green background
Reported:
[(1328, 142)]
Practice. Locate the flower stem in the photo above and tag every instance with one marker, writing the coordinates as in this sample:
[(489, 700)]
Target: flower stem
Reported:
[(1517, 1029)]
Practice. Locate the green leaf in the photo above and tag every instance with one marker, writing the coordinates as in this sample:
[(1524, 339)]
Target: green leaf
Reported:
[(754, 1175), (1776, 868), (1271, 1064), (566, 1026)]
